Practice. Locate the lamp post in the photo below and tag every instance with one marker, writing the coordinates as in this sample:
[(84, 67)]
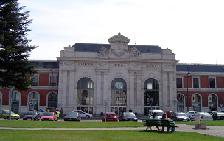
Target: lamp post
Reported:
[(188, 74)]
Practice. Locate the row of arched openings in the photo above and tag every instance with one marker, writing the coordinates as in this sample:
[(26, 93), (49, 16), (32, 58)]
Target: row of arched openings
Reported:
[(196, 101), (33, 101), (85, 89)]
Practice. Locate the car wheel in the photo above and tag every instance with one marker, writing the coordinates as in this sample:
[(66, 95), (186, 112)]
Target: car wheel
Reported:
[(87, 116)]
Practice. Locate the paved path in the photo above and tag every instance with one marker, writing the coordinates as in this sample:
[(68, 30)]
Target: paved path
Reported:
[(212, 130)]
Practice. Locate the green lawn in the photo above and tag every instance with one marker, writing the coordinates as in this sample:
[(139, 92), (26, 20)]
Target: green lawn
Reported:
[(17, 135), (67, 124), (208, 122)]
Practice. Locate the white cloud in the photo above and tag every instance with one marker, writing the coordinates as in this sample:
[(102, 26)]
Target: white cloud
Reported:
[(192, 29)]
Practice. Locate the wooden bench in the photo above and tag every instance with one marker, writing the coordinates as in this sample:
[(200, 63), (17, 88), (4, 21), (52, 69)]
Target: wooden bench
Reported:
[(168, 123)]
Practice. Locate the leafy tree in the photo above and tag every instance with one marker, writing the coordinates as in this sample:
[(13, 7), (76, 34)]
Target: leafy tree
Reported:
[(15, 69)]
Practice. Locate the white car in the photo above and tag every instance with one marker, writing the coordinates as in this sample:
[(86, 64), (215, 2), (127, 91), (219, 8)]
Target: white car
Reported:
[(191, 114), (156, 114), (83, 114), (204, 116)]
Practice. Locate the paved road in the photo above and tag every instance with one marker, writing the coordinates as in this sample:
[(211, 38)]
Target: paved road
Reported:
[(212, 130)]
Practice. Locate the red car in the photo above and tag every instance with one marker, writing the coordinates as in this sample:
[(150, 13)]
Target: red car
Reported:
[(48, 116), (110, 116)]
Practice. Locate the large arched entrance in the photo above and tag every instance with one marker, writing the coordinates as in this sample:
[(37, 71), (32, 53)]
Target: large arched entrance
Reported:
[(85, 89), (33, 101), (180, 102), (212, 102), (52, 100), (151, 95), (15, 101), (196, 102), (118, 96)]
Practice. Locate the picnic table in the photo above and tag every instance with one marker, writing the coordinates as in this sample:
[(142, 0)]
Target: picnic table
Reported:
[(168, 123)]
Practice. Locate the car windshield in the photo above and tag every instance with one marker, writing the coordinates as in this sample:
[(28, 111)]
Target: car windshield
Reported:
[(206, 114), (159, 113), (181, 114), (129, 114), (7, 112), (73, 114), (47, 114), (30, 113)]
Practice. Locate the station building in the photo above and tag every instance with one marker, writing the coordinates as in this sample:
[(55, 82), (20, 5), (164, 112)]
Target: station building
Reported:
[(119, 77)]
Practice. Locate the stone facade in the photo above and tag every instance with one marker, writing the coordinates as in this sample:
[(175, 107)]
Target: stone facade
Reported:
[(117, 60)]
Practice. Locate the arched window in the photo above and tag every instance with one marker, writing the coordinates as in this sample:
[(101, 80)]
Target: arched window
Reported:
[(118, 95), (212, 102), (151, 95), (52, 100), (85, 89), (33, 101), (15, 101), (196, 102), (180, 102)]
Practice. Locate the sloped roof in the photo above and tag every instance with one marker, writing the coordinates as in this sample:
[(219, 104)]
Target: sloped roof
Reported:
[(45, 64), (199, 68), (91, 47)]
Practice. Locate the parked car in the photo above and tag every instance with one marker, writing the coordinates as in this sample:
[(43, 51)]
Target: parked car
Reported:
[(48, 116), (180, 116), (203, 116), (128, 116), (156, 114), (29, 115), (110, 116), (6, 115), (83, 114), (72, 116), (191, 114), (217, 115)]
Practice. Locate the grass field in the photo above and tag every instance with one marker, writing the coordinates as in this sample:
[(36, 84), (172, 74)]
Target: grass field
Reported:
[(208, 122), (68, 124), (15, 135)]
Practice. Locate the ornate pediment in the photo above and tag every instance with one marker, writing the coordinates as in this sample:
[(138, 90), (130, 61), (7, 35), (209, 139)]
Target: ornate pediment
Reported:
[(118, 39)]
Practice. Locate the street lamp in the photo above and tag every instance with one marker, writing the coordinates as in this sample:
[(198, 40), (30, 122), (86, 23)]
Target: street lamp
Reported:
[(188, 75)]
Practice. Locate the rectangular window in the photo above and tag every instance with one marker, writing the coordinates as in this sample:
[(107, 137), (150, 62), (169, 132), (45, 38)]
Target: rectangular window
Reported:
[(211, 81), (149, 86), (195, 82), (53, 79), (34, 80), (179, 83)]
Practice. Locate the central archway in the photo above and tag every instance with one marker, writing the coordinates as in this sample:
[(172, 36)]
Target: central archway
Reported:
[(85, 89), (151, 95), (118, 96)]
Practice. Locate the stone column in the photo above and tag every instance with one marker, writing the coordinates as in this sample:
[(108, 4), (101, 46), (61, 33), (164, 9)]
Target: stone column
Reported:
[(131, 94)]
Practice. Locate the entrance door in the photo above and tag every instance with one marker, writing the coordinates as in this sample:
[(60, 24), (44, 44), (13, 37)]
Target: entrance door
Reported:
[(85, 89), (151, 95), (118, 96)]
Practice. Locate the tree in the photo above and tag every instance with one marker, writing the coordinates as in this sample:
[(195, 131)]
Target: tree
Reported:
[(15, 69)]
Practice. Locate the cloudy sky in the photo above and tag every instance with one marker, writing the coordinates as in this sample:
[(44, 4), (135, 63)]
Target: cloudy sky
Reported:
[(192, 29)]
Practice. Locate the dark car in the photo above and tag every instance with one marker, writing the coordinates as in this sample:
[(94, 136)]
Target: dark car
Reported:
[(72, 116), (29, 115), (110, 116), (128, 116)]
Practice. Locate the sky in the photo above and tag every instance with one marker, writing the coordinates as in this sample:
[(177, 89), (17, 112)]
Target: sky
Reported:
[(192, 29)]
